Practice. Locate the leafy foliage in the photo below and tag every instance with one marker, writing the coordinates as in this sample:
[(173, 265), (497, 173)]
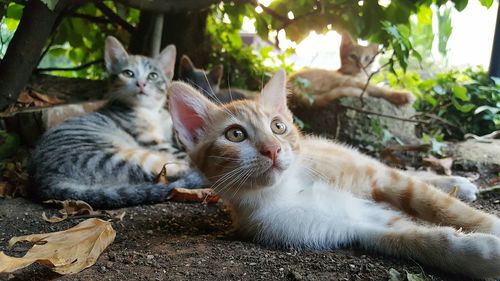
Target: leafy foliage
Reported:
[(244, 66), (455, 102)]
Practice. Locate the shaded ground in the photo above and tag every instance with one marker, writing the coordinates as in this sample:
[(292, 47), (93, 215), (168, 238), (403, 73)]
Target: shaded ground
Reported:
[(182, 241)]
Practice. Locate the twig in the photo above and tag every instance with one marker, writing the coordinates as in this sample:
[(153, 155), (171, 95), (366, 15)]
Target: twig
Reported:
[(47, 49), (442, 120), (113, 16), (384, 115), (100, 20), (495, 188), (370, 76), (80, 67)]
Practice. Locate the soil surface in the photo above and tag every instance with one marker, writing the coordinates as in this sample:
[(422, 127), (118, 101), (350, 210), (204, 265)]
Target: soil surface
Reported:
[(192, 241)]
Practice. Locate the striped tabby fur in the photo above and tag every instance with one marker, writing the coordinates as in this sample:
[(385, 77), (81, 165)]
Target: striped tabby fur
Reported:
[(110, 158)]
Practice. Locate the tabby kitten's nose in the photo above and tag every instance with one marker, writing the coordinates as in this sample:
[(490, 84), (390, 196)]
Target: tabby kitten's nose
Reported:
[(271, 152), (140, 86)]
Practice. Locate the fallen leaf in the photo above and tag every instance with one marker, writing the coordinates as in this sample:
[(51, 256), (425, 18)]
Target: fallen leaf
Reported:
[(116, 215), (414, 277), (69, 208), (395, 275), (66, 252), (439, 165), (204, 195), (24, 98), (51, 100)]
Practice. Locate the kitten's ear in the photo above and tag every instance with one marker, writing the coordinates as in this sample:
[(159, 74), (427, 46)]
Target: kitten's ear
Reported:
[(216, 73), (373, 48), (186, 64), (273, 95), (346, 44), (167, 61), (114, 54), (190, 112)]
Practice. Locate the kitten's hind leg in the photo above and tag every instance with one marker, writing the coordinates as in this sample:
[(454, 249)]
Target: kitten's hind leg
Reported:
[(476, 255), (424, 201), (466, 190)]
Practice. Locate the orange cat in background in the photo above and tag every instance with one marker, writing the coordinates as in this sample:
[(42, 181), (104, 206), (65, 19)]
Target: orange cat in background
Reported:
[(325, 86)]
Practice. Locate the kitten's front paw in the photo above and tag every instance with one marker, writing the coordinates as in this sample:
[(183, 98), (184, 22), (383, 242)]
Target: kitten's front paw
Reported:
[(400, 98), (467, 191)]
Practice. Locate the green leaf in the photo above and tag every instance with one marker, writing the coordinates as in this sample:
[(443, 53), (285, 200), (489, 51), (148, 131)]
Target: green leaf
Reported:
[(14, 11), (51, 4), (462, 108), (424, 15), (11, 24), (8, 144), (491, 109), (460, 92), (486, 3), (460, 4)]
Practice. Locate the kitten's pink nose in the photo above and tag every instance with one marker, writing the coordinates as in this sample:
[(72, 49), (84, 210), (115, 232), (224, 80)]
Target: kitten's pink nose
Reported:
[(271, 152), (140, 86)]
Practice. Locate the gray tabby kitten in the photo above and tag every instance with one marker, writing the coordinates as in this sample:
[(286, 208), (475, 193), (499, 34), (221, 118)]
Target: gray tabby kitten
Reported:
[(111, 157), (208, 82)]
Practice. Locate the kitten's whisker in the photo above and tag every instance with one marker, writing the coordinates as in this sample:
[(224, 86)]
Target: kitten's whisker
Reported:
[(217, 98), (225, 178)]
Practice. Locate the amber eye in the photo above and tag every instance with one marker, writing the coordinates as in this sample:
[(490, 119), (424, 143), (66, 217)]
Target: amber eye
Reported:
[(278, 127), (152, 76), (128, 73), (236, 134)]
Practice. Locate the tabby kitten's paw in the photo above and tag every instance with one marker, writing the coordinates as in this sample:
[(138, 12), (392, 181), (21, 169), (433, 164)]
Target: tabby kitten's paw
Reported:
[(400, 97)]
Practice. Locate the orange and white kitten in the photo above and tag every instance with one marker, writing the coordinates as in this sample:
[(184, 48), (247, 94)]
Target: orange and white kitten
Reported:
[(326, 86), (298, 191)]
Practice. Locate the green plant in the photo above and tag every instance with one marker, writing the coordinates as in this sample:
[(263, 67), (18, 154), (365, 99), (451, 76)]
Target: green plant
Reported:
[(244, 67), (454, 103)]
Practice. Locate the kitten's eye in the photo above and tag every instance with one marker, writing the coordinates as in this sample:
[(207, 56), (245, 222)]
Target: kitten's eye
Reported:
[(152, 76), (128, 73), (278, 127), (236, 134), (353, 57), (367, 59)]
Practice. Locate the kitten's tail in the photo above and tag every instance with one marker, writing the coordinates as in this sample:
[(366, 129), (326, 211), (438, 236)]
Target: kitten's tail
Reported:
[(114, 196)]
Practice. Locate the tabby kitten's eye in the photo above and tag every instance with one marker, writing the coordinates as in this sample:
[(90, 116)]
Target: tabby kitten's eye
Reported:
[(152, 76), (236, 134), (353, 57), (278, 127), (128, 73)]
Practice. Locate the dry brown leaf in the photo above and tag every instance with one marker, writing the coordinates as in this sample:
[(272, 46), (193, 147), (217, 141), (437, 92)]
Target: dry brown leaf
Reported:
[(51, 100), (6, 190), (439, 165), (24, 98), (204, 195), (116, 215), (66, 252), (69, 208)]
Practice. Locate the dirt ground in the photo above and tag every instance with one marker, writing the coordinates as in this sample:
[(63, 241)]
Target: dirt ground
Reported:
[(192, 241)]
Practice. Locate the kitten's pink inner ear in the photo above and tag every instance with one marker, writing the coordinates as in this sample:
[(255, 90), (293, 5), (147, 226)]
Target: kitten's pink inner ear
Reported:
[(167, 60), (114, 52), (274, 93), (190, 112)]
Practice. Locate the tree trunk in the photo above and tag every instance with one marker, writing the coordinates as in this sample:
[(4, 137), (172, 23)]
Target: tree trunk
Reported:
[(24, 50), (186, 30)]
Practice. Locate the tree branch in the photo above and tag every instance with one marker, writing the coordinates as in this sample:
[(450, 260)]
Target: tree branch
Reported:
[(80, 67), (384, 115), (25, 47), (113, 16), (169, 6)]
